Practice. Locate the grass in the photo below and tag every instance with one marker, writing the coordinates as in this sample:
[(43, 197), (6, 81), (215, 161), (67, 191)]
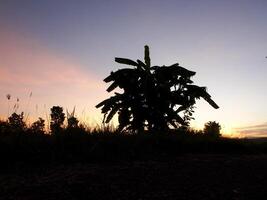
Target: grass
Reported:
[(79, 145), (104, 164), (27, 144)]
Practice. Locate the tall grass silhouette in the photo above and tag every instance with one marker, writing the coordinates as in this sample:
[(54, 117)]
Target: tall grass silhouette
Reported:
[(73, 142)]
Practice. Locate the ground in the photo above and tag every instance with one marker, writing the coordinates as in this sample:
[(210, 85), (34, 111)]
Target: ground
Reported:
[(188, 176)]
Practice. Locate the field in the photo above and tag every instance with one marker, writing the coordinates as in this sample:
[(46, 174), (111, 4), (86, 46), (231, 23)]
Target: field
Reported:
[(106, 165), (185, 176)]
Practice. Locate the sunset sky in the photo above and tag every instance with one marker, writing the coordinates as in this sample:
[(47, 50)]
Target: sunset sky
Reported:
[(61, 50)]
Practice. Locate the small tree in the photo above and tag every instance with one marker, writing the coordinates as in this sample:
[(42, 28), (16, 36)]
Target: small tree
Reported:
[(38, 127), (16, 122), (154, 98), (57, 119), (212, 128)]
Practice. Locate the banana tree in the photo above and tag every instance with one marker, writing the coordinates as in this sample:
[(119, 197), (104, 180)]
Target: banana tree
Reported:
[(154, 98)]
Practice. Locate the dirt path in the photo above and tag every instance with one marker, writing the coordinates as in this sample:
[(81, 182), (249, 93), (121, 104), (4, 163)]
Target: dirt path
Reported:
[(183, 177)]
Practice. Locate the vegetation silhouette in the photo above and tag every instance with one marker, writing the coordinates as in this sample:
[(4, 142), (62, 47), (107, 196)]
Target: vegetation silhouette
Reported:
[(212, 129), (154, 98), (57, 119), (24, 146), (16, 122), (38, 127), (72, 120), (73, 142)]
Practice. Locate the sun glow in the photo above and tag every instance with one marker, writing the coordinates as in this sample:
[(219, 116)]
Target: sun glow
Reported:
[(229, 131)]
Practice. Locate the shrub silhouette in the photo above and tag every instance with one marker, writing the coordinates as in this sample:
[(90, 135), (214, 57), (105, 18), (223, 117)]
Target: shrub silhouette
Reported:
[(72, 120), (4, 126), (212, 128), (38, 127), (57, 119), (154, 98), (16, 122)]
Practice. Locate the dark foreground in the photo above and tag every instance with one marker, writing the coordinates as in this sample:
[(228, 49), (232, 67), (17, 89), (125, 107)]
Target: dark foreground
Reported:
[(188, 176)]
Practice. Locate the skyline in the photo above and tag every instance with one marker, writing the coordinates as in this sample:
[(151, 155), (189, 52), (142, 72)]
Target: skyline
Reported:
[(74, 45)]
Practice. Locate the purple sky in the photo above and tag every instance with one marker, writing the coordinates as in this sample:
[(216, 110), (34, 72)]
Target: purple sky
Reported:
[(61, 51)]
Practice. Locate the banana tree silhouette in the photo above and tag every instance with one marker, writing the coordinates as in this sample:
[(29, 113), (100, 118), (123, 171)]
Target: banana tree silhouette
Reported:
[(154, 98)]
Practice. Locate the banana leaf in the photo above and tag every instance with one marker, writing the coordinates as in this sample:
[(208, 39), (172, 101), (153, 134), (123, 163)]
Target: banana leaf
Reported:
[(142, 65), (181, 108), (178, 70), (126, 61), (172, 115), (173, 124), (212, 103), (112, 86), (119, 74), (201, 92), (109, 103), (112, 113), (109, 78), (102, 103)]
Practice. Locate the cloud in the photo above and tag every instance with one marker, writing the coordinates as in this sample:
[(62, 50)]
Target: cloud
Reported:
[(259, 130)]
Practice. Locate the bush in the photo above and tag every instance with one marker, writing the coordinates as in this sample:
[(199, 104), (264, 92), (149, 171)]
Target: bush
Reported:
[(38, 127), (212, 128), (57, 119)]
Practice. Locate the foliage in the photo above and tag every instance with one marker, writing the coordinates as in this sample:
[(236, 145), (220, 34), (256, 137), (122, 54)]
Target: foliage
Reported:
[(154, 98), (212, 128), (104, 146), (72, 120), (3, 126), (16, 122), (38, 127), (104, 143), (57, 119)]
